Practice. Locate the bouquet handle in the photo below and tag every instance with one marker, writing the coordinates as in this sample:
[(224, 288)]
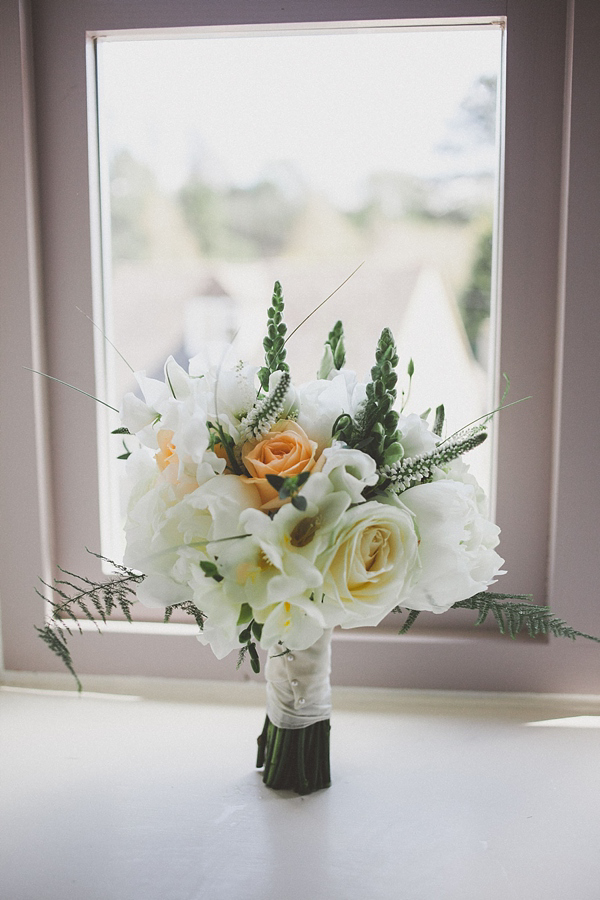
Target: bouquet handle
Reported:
[(293, 747)]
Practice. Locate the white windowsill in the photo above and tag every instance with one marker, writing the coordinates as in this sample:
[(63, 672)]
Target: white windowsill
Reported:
[(144, 789)]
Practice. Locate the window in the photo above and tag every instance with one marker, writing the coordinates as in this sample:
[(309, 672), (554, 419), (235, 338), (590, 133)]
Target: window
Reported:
[(537, 259), (232, 160)]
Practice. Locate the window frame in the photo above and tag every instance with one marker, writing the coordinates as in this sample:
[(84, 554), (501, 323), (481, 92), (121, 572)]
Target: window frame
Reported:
[(52, 268)]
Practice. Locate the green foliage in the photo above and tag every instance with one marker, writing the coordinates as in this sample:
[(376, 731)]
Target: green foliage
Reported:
[(513, 614), (374, 429), (336, 341), (334, 352), (289, 487), (274, 342), (210, 570), (218, 436), (252, 630), (249, 648), (127, 452), (245, 615), (440, 415)]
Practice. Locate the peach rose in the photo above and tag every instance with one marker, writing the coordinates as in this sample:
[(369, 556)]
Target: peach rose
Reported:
[(286, 450)]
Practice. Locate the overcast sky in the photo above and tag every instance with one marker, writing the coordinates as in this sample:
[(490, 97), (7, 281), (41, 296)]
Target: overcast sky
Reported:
[(337, 106)]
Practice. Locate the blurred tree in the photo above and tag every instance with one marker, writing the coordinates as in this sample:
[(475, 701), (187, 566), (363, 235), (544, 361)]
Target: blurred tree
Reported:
[(478, 109), (474, 302), (475, 119), (239, 222), (262, 217), (131, 187), (477, 122), (204, 214)]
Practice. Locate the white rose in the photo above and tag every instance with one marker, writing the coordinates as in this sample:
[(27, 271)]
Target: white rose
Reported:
[(370, 566), (456, 544)]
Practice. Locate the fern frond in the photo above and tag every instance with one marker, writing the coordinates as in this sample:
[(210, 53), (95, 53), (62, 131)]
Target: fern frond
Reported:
[(56, 642), (79, 596), (190, 609), (515, 612), (411, 619)]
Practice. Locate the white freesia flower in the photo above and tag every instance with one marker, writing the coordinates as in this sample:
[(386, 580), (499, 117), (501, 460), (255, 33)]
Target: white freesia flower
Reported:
[(140, 416), (223, 499), (348, 470), (456, 544), (273, 569), (136, 415), (159, 408), (370, 565), (220, 633), (296, 625)]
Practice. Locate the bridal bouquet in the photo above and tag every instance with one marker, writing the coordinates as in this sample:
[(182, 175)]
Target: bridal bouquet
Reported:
[(273, 513)]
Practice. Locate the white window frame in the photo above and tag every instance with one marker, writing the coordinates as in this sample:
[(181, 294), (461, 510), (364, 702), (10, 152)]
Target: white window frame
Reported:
[(547, 497)]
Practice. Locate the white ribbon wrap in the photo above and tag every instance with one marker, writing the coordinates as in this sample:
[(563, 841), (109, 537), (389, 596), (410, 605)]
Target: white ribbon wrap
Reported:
[(298, 685)]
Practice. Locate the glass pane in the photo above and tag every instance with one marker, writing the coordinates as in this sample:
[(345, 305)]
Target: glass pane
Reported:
[(234, 161)]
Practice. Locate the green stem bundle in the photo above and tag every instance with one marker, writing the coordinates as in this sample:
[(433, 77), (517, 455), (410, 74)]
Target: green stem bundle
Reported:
[(295, 759)]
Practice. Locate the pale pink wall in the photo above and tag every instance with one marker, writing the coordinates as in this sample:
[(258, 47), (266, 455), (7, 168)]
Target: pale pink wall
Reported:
[(532, 283)]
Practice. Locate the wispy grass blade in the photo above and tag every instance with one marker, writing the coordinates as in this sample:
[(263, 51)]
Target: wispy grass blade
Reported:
[(72, 386)]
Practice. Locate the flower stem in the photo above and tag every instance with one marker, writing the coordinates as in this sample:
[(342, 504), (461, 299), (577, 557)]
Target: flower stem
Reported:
[(295, 759)]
